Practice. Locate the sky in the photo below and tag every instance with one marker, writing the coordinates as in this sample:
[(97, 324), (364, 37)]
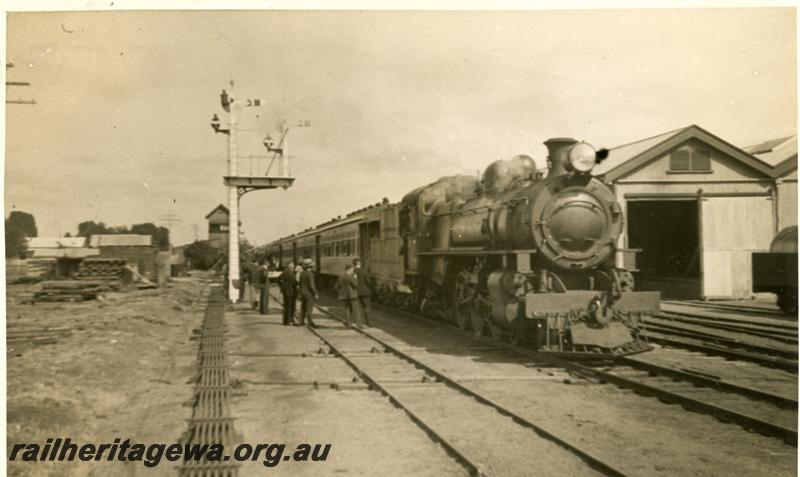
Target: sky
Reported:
[(120, 132)]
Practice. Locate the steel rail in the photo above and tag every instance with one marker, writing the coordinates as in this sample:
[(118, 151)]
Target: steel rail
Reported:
[(769, 323), (725, 306), (473, 468), (711, 348), (733, 342), (462, 459), (591, 460), (785, 335), (705, 381), (721, 413)]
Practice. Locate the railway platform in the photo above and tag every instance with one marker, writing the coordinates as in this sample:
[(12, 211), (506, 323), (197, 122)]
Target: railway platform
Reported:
[(286, 388)]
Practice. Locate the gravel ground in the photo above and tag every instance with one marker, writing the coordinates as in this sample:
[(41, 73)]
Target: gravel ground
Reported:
[(744, 373), (640, 435), (282, 396), (123, 373)]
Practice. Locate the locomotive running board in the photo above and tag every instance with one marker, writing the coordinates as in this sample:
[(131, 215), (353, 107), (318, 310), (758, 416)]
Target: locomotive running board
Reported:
[(472, 252)]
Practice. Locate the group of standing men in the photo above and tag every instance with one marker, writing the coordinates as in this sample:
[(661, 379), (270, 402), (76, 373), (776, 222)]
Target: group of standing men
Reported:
[(294, 282), (256, 292), (352, 288)]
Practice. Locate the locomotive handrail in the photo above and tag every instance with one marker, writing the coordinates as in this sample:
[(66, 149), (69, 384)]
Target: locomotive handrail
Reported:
[(464, 251)]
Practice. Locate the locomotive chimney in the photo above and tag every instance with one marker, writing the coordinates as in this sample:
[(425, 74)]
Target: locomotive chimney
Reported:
[(557, 148)]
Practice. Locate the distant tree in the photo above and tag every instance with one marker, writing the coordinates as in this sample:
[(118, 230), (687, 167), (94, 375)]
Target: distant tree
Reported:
[(88, 228), (19, 226), (202, 255), (15, 243), (160, 234), (258, 254), (23, 221), (245, 247), (67, 235)]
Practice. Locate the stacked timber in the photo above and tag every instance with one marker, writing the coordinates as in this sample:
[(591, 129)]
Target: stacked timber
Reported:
[(30, 270), (101, 269), (70, 290), (18, 334)]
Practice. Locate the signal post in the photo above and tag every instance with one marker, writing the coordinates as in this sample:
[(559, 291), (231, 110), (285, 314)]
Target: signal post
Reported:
[(239, 184)]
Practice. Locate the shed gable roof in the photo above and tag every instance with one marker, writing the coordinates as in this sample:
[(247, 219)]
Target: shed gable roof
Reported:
[(779, 153), (120, 240), (623, 160), (219, 207), (56, 242)]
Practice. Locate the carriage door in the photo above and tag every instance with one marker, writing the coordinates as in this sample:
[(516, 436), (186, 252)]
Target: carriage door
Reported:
[(317, 253), (363, 245)]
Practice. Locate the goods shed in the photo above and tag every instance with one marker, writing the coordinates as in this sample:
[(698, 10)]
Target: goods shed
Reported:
[(781, 154), (697, 207)]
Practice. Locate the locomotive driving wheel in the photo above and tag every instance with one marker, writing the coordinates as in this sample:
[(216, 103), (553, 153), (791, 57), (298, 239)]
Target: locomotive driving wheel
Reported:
[(498, 333), (463, 308), (478, 317), (516, 337)]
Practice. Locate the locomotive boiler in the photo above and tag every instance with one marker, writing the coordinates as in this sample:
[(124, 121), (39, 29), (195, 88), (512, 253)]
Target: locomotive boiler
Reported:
[(527, 257)]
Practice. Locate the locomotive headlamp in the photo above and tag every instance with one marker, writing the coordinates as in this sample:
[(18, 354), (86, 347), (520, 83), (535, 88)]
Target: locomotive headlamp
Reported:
[(582, 157)]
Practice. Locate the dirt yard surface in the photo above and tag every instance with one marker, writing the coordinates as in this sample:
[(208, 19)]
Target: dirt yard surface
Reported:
[(286, 392), (639, 435), (124, 372)]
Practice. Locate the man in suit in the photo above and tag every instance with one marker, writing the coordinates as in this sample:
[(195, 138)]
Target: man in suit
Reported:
[(364, 292), (288, 286), (253, 290), (263, 282), (347, 289), (308, 293)]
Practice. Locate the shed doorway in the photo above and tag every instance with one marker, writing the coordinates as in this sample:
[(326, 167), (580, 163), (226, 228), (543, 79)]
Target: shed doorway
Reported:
[(668, 234)]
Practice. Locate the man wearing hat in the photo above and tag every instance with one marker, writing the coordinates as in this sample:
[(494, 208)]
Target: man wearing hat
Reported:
[(362, 280), (263, 283), (308, 293), (288, 287)]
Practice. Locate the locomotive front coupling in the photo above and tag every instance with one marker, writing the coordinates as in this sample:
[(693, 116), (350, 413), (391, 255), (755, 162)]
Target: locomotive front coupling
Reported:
[(588, 319)]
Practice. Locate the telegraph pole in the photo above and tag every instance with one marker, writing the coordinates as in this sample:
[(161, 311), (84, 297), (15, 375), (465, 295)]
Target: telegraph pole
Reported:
[(170, 219)]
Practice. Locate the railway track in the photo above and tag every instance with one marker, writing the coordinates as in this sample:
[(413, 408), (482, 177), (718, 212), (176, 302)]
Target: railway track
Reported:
[(727, 348), (404, 379), (780, 333), (744, 309), (768, 413)]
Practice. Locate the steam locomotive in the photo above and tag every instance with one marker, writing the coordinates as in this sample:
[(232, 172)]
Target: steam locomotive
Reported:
[(514, 255)]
